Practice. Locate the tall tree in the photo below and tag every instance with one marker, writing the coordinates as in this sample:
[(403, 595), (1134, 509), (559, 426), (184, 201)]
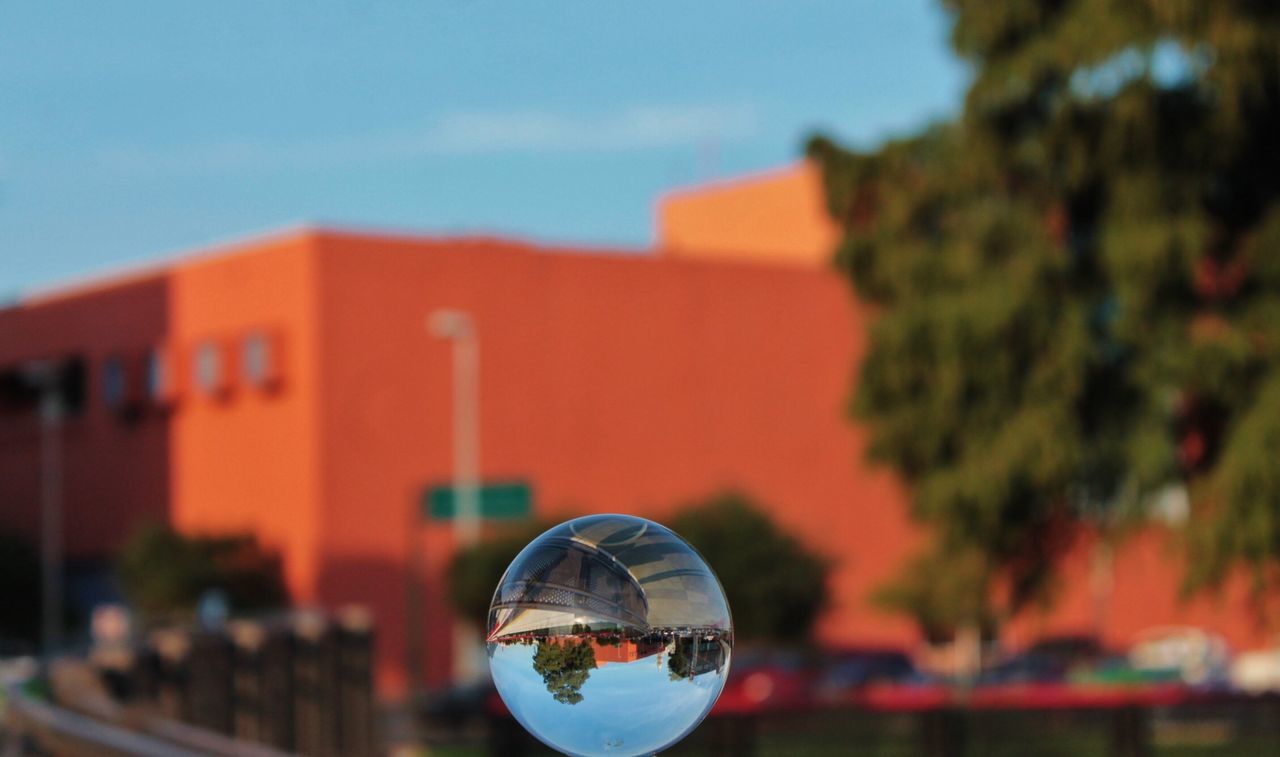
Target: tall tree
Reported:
[(164, 573), (775, 584), (777, 604), (565, 667), (1078, 287)]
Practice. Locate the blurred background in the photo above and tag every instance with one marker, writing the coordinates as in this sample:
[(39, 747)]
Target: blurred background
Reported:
[(948, 332)]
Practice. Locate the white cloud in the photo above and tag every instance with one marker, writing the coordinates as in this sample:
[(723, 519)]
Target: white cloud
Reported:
[(643, 127)]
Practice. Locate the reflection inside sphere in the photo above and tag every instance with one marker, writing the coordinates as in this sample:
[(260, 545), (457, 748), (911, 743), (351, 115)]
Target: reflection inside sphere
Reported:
[(609, 635)]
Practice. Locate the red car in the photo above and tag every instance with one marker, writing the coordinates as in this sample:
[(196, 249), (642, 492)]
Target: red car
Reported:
[(766, 681)]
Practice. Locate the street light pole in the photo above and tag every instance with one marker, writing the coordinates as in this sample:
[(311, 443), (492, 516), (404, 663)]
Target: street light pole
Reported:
[(50, 520), (458, 327), (44, 377)]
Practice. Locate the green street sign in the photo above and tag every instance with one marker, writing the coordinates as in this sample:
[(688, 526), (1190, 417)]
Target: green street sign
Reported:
[(508, 500)]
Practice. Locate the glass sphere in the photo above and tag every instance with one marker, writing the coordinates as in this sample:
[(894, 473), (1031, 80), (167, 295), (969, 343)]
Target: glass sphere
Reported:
[(609, 635)]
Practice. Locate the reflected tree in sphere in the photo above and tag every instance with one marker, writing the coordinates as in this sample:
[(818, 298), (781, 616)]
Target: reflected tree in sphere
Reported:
[(609, 634)]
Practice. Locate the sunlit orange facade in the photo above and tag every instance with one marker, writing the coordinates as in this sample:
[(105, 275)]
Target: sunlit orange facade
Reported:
[(611, 380), (775, 217)]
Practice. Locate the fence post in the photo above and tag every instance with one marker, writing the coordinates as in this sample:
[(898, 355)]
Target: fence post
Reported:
[(943, 732), (209, 682), (315, 709), (277, 688), (248, 697), (1130, 732), (172, 650), (355, 682)]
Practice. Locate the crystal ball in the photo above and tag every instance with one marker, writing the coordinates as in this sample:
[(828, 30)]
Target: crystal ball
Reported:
[(609, 635)]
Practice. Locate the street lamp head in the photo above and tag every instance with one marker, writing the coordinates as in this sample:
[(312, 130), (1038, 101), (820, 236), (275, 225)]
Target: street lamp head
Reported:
[(449, 323)]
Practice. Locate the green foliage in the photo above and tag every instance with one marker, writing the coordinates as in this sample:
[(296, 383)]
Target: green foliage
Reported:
[(942, 591), (474, 573), (19, 589), (564, 667), (163, 573), (776, 587), (679, 664), (736, 538), (1078, 283)]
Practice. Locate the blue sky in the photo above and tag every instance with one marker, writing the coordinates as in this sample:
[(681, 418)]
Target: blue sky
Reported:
[(635, 704), (133, 130)]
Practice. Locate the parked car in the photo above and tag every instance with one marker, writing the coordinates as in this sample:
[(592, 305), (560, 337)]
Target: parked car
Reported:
[(846, 672), (1117, 670), (767, 680), (1050, 660), (1198, 657), (1256, 671)]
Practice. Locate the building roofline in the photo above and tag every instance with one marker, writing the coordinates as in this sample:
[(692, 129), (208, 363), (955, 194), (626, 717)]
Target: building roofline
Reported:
[(737, 181), (254, 242), (250, 243), (123, 274)]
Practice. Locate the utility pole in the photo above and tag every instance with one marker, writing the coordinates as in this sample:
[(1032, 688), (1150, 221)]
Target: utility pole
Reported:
[(51, 518), (458, 327), (414, 653), (44, 377)]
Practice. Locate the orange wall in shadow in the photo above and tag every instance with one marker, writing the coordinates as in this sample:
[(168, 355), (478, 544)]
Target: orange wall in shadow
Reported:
[(115, 466)]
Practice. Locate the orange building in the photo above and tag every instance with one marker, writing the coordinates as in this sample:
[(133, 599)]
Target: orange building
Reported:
[(622, 650), (776, 217), (289, 386), (625, 651)]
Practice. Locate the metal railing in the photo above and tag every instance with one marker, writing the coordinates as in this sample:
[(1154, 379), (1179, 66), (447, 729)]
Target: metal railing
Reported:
[(302, 684)]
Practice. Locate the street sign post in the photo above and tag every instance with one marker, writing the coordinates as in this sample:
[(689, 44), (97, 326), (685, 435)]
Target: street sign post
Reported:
[(508, 500)]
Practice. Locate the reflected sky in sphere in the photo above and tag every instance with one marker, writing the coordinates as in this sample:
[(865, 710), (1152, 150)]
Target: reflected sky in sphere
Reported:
[(609, 635)]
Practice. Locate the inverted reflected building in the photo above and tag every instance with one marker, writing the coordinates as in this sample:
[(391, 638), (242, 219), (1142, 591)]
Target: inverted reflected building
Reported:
[(596, 629)]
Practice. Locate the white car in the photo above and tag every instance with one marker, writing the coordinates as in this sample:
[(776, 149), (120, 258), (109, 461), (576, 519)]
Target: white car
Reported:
[(1200, 658), (1257, 671)]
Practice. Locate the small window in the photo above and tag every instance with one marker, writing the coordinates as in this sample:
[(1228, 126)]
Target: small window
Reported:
[(157, 375), (257, 360), (161, 382), (113, 382), (209, 369)]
